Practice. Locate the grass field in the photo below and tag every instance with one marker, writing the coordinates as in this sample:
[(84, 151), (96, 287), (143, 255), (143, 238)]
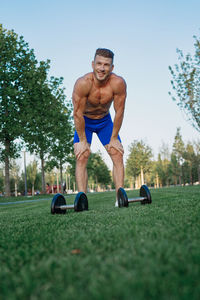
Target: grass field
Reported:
[(140, 252)]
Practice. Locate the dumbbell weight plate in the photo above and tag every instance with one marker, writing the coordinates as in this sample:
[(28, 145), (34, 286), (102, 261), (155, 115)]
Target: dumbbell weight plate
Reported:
[(122, 198), (81, 202), (58, 200), (144, 192)]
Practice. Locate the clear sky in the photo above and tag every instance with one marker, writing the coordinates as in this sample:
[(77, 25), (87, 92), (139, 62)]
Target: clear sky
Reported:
[(144, 36)]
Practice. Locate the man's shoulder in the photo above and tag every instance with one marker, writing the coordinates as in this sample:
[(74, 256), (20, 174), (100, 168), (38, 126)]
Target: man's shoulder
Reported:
[(83, 84), (117, 82), (85, 79)]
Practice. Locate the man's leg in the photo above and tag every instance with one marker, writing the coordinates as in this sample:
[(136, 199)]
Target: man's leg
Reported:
[(118, 167), (81, 171)]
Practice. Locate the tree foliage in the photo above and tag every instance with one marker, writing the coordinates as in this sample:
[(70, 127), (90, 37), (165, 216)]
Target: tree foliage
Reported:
[(32, 107), (61, 139), (1, 181), (163, 169), (17, 63), (49, 126), (139, 158), (186, 84), (15, 174), (98, 171), (32, 174)]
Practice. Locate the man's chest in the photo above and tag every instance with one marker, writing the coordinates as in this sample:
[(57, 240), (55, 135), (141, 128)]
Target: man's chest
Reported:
[(100, 96)]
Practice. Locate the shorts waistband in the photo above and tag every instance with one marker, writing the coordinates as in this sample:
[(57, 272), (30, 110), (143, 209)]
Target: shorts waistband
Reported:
[(105, 118)]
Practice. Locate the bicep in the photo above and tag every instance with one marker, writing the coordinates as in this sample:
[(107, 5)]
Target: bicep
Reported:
[(120, 98), (79, 103), (78, 98)]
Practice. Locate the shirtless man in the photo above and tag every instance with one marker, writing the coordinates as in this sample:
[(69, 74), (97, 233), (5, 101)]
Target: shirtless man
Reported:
[(92, 97)]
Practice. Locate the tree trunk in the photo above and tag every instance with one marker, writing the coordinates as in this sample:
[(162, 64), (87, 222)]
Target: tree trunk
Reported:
[(157, 180), (43, 177), (142, 176), (58, 190), (25, 175), (7, 166), (66, 180), (33, 190), (131, 182), (61, 178), (74, 187), (137, 182), (15, 189), (69, 183), (191, 178)]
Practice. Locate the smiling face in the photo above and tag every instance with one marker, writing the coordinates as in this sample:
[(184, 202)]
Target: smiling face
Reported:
[(102, 67)]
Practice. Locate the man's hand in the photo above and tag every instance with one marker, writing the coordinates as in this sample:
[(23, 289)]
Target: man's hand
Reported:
[(115, 143), (81, 148)]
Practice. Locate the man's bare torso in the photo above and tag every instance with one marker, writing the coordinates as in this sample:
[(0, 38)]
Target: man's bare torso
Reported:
[(99, 97)]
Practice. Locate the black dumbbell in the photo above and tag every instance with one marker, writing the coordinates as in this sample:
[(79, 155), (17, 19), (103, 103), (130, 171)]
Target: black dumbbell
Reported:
[(145, 197), (58, 204)]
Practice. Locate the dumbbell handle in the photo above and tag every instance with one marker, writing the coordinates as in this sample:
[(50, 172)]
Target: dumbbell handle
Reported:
[(137, 199), (64, 207)]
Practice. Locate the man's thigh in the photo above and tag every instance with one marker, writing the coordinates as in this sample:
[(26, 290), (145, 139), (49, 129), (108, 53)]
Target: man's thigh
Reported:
[(88, 134), (105, 133)]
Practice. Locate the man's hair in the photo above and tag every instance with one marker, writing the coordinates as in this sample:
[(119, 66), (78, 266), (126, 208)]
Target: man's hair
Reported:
[(105, 53)]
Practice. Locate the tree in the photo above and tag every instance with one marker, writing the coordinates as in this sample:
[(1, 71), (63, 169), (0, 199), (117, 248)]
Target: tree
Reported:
[(98, 172), (1, 181), (163, 170), (139, 159), (70, 170), (17, 63), (197, 151), (163, 165), (40, 111), (15, 173), (51, 178), (175, 168), (152, 177), (61, 137), (186, 84), (190, 158), (177, 160), (37, 182), (32, 174)]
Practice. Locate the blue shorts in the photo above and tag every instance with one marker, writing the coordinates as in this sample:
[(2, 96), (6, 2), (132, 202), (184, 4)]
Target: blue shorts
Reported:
[(102, 127)]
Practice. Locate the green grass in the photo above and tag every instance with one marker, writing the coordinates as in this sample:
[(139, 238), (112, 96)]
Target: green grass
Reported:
[(140, 252)]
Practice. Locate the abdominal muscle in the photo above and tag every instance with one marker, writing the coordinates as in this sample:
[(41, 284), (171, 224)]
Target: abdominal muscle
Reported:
[(97, 111)]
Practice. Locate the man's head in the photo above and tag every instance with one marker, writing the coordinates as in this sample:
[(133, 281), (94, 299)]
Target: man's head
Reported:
[(105, 53), (103, 64)]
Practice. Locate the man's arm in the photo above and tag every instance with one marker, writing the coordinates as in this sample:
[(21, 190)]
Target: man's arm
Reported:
[(119, 106), (79, 98), (79, 101)]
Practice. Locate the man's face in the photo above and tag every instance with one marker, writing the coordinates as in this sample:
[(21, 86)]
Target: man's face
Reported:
[(102, 67)]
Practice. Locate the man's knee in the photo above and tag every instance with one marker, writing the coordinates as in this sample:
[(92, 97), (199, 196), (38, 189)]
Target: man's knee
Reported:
[(116, 156), (114, 152), (84, 157)]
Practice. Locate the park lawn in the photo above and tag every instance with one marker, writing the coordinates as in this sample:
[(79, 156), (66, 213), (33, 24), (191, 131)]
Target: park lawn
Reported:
[(140, 252)]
